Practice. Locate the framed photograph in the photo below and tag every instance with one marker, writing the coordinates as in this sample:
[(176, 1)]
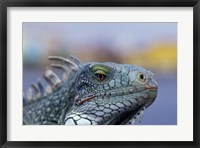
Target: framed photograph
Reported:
[(99, 73)]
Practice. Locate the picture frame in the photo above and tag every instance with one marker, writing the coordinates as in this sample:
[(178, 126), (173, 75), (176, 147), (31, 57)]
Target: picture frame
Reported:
[(195, 4)]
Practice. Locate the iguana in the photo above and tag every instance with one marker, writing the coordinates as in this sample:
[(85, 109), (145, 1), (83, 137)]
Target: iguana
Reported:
[(90, 94)]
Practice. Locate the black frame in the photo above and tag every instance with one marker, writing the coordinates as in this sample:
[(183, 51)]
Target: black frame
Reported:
[(97, 3)]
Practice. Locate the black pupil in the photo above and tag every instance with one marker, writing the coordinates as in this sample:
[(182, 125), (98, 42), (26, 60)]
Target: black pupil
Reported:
[(141, 76), (100, 77)]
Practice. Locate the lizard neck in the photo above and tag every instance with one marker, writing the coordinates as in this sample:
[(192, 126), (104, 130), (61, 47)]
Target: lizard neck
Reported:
[(52, 108)]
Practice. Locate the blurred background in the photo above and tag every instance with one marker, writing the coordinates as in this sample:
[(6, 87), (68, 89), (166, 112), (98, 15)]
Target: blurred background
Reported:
[(150, 45)]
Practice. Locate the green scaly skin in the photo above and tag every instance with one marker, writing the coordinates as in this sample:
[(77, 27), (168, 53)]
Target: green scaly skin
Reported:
[(95, 93)]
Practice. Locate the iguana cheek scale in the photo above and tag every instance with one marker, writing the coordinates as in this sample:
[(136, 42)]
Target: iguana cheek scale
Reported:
[(90, 94)]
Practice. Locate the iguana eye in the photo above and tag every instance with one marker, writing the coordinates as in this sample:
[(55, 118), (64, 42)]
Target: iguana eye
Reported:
[(100, 75)]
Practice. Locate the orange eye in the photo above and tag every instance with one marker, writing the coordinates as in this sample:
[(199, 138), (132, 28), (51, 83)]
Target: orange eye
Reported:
[(100, 77)]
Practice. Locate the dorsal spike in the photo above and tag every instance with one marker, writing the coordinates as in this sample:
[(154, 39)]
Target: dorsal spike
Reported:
[(36, 90), (52, 79), (75, 60), (59, 66), (68, 62), (24, 98), (41, 88), (62, 67), (48, 89), (29, 94), (65, 76)]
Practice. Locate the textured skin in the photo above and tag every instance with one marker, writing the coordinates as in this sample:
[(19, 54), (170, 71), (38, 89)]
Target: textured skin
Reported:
[(95, 93)]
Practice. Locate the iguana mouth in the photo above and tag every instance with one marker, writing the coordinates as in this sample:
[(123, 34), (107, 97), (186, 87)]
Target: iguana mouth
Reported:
[(152, 85), (147, 87), (151, 88), (86, 99), (80, 101)]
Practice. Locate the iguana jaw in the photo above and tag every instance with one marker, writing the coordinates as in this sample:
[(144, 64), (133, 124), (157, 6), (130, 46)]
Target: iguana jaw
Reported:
[(123, 113), (130, 116)]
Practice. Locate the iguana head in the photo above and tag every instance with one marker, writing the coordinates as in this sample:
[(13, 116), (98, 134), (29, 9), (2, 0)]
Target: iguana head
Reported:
[(92, 93), (110, 93)]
